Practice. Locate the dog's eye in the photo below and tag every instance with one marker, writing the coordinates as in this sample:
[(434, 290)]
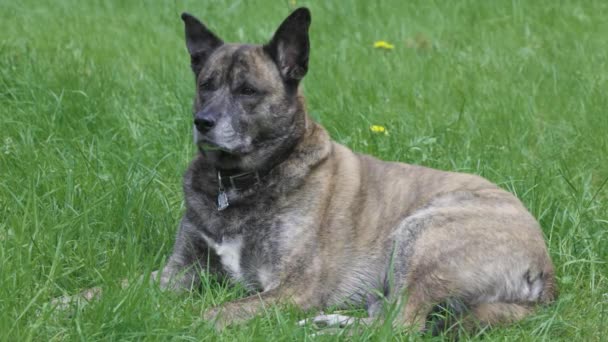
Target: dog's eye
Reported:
[(247, 91)]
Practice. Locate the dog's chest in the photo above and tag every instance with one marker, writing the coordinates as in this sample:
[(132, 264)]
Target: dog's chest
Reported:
[(244, 262), (230, 251)]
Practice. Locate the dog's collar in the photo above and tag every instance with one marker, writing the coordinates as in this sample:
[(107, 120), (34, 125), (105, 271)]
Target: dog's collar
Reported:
[(238, 181)]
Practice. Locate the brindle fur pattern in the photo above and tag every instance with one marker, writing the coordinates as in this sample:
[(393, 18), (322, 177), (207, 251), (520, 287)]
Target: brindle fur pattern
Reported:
[(331, 227)]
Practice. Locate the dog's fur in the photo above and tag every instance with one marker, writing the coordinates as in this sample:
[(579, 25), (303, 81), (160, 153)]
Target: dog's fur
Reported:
[(325, 226)]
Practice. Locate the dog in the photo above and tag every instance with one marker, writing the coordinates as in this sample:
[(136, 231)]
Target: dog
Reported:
[(274, 204)]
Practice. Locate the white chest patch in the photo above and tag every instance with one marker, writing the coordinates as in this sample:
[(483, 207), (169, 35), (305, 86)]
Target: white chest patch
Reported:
[(229, 251)]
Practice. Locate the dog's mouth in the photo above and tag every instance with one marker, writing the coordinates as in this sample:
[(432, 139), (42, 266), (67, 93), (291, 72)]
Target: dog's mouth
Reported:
[(205, 145)]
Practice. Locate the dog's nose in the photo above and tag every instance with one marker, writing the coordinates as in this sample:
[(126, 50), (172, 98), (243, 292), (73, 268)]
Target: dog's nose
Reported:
[(204, 122)]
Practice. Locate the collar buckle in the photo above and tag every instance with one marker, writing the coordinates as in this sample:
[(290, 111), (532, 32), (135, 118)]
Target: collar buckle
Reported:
[(244, 180)]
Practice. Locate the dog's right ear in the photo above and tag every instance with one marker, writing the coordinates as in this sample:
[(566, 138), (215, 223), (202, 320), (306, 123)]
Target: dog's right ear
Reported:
[(200, 41)]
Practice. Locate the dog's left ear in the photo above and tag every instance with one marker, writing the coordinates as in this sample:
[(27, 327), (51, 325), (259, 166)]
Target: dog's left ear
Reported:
[(289, 48), (200, 41)]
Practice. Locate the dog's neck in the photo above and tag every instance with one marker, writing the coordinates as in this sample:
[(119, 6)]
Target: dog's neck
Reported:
[(242, 179), (292, 162)]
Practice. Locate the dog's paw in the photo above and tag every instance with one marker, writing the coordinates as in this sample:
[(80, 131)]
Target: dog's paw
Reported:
[(327, 321), (64, 302), (211, 314), (218, 317), (229, 314)]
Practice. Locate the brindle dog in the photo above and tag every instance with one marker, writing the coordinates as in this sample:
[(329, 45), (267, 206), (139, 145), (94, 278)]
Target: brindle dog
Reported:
[(275, 204)]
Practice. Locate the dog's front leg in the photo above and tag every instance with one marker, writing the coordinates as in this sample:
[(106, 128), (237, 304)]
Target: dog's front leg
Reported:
[(241, 310), (190, 256)]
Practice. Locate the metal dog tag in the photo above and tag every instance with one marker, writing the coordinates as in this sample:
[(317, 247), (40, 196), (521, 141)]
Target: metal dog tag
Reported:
[(222, 201)]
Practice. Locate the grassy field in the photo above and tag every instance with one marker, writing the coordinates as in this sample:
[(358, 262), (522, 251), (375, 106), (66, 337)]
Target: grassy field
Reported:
[(95, 134)]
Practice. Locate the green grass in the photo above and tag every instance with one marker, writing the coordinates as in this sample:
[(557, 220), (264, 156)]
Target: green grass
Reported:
[(95, 103)]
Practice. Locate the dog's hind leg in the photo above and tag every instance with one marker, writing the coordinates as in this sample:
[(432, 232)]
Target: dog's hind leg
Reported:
[(420, 299), (492, 314)]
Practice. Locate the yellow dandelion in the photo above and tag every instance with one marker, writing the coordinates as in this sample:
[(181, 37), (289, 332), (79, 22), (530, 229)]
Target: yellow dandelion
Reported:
[(381, 44), (378, 129)]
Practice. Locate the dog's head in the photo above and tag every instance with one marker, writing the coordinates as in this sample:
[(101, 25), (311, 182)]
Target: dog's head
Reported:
[(247, 110)]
